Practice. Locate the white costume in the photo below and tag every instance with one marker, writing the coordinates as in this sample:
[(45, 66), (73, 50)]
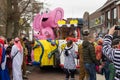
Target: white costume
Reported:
[(17, 63)]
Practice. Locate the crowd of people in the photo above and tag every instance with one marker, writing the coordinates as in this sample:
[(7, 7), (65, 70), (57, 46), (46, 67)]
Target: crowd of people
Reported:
[(15, 54), (96, 56), (100, 56)]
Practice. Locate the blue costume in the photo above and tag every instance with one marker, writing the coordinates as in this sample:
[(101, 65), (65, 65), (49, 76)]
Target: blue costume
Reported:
[(4, 75)]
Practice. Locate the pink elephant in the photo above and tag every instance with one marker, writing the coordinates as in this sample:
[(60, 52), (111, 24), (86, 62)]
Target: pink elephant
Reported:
[(44, 23)]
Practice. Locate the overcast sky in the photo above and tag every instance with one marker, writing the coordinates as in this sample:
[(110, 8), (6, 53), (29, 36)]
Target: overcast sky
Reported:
[(75, 8)]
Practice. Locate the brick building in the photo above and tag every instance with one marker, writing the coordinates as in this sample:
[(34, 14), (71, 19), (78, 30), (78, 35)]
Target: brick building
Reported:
[(105, 17), (96, 21), (111, 11)]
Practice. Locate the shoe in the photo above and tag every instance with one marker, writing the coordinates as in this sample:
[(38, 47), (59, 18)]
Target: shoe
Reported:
[(25, 77), (30, 64), (28, 72)]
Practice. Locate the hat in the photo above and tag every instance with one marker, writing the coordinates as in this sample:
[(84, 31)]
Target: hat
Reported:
[(1, 41), (86, 32), (24, 39), (115, 41), (17, 39), (69, 41), (100, 41)]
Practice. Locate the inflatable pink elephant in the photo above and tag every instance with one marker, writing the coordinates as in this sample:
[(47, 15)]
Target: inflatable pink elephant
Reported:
[(44, 23)]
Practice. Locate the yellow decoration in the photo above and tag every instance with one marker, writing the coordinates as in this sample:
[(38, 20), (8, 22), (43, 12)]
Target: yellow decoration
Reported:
[(74, 21), (47, 49), (63, 46), (61, 22), (97, 21)]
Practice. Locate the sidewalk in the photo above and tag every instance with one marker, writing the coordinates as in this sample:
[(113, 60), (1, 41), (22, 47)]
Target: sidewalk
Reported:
[(100, 77)]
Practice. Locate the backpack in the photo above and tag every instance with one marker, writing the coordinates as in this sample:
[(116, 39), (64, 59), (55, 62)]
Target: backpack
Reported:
[(9, 58)]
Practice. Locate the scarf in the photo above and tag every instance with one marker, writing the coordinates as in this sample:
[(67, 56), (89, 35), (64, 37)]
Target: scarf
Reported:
[(18, 44)]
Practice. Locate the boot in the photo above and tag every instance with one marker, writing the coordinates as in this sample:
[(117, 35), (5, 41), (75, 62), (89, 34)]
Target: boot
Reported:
[(72, 79)]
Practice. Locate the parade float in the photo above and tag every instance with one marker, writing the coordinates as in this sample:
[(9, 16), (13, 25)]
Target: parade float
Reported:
[(50, 37)]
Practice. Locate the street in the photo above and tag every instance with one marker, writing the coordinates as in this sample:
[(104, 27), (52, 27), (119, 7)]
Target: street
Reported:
[(51, 74), (59, 33)]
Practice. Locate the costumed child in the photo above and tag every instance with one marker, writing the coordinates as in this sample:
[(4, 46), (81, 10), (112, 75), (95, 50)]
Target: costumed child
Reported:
[(4, 75)]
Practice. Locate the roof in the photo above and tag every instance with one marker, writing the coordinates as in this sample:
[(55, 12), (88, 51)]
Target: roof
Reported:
[(109, 2)]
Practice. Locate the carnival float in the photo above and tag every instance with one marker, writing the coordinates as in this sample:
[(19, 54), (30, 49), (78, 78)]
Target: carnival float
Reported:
[(50, 35)]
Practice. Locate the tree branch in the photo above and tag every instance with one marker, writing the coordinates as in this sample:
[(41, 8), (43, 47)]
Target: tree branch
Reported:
[(24, 22), (25, 7)]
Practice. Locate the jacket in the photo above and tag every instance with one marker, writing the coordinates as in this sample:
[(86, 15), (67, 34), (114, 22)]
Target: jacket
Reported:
[(89, 53), (69, 62), (80, 51)]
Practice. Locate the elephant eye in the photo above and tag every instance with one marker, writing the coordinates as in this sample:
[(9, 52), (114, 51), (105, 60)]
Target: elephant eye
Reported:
[(41, 11), (47, 10)]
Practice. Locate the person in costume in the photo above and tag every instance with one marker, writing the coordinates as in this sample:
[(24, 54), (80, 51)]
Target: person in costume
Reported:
[(69, 63), (4, 75), (8, 54), (17, 56)]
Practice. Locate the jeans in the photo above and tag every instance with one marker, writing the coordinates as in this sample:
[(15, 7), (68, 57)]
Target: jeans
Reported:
[(90, 67), (106, 70), (70, 72)]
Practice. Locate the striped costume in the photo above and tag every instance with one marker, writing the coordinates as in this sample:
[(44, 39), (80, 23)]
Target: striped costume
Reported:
[(112, 54)]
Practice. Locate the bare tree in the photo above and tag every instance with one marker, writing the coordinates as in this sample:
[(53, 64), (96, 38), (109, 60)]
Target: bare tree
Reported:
[(17, 10), (12, 11), (3, 17)]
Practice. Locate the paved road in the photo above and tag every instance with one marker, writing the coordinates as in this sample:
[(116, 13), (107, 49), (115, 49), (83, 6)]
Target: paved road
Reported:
[(51, 74)]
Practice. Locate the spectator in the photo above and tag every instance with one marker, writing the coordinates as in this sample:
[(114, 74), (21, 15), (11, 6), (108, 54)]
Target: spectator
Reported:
[(4, 75), (83, 73), (111, 53), (25, 53), (98, 51), (89, 56), (8, 53), (69, 63), (29, 49), (104, 67), (17, 57)]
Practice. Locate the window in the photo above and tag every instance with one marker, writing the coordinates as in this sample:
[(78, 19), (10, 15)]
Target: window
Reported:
[(102, 19), (108, 19), (114, 16)]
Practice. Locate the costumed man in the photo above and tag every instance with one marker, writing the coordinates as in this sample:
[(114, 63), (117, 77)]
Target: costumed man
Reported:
[(3, 68), (83, 73), (17, 56), (25, 52), (98, 52)]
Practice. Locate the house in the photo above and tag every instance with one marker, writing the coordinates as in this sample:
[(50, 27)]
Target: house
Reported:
[(105, 17)]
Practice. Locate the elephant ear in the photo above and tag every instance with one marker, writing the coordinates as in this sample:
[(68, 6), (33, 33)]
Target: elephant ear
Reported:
[(55, 15), (37, 22)]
